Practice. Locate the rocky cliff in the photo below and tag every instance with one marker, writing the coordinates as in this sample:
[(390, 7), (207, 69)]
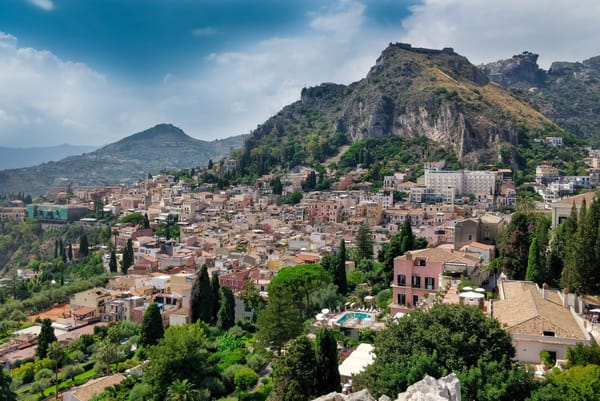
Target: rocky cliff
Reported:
[(408, 92), (568, 93)]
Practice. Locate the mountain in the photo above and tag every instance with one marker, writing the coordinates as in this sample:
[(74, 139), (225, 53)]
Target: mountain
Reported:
[(567, 93), (407, 93), (25, 157), (161, 147)]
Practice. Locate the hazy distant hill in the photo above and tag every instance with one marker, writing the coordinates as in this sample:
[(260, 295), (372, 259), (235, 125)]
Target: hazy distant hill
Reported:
[(161, 147), (568, 93), (407, 93), (25, 157)]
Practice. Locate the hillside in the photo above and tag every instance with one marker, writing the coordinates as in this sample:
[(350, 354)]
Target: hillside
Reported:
[(568, 93), (161, 147), (409, 92)]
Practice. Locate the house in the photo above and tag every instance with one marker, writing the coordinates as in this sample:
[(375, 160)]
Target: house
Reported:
[(538, 320), (562, 209), (89, 305), (421, 273)]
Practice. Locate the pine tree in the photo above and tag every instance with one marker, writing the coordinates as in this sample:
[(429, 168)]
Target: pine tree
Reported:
[(84, 248), (45, 338), (112, 264), (226, 319), (276, 186), (340, 278), (201, 298), (294, 372), (328, 374), (152, 329), (533, 263), (364, 243), (215, 287)]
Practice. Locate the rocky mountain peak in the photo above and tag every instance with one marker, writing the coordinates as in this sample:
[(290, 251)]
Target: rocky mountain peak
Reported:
[(520, 70)]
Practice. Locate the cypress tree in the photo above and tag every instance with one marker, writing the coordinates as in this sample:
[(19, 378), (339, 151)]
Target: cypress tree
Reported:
[(340, 278), (55, 248), (70, 252), (533, 263), (130, 251), (45, 338), (408, 244), (226, 318), (216, 299), (294, 373), (146, 221), (364, 243), (328, 374), (84, 247), (201, 298), (152, 329), (112, 264)]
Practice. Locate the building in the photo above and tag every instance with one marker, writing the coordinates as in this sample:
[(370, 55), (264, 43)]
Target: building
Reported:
[(545, 174), (538, 320), (89, 305), (16, 214), (420, 273), (465, 182), (51, 212), (562, 209)]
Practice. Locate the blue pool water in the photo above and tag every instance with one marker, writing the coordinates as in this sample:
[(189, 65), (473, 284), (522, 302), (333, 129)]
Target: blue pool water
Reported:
[(354, 315)]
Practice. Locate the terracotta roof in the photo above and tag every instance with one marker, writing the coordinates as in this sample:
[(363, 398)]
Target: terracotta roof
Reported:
[(525, 311), (442, 255), (481, 246)]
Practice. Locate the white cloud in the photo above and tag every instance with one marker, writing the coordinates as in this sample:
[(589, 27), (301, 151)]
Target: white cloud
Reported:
[(204, 31), (46, 5), (48, 100), (485, 30)]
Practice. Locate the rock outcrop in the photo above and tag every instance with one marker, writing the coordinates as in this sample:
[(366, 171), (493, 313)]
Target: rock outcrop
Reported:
[(521, 70), (446, 388)]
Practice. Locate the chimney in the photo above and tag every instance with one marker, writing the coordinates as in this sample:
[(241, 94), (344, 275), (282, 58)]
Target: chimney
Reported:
[(544, 288), (566, 298)]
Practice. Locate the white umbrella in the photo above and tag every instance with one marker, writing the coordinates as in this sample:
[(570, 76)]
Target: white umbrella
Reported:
[(471, 294), (479, 289), (320, 316), (467, 289), (325, 311), (596, 310)]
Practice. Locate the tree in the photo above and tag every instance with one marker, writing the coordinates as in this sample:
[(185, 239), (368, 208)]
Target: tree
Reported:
[(56, 248), (201, 302), (245, 378), (447, 338), (226, 318), (146, 221), (112, 264), (533, 263), (56, 354), (215, 287), (364, 243), (128, 257), (294, 373), (339, 277), (252, 299), (327, 370), (84, 247), (70, 252), (210, 164), (152, 329), (45, 338), (276, 186), (182, 355), (6, 393), (183, 390), (280, 321)]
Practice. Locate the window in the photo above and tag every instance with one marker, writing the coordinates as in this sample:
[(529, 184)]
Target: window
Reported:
[(401, 299), (470, 237), (416, 281), (401, 279), (429, 283), (421, 262), (415, 300)]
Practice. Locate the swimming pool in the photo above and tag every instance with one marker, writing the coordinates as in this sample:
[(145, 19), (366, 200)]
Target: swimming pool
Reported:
[(354, 315)]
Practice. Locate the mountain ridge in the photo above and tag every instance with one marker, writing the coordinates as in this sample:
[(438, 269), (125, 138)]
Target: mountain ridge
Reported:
[(161, 147)]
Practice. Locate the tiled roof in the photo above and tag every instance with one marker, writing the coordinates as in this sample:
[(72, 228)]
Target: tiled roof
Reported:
[(525, 311)]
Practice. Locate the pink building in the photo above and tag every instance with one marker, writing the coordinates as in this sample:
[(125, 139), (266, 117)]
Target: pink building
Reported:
[(421, 272)]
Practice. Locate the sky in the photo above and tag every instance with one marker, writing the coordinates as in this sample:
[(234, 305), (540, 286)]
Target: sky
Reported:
[(92, 72)]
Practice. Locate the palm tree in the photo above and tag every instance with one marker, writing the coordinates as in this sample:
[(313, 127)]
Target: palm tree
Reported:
[(183, 390)]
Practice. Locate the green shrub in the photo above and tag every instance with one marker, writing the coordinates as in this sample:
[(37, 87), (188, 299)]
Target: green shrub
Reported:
[(245, 378)]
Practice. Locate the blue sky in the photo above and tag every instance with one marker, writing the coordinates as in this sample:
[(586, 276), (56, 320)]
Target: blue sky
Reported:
[(94, 71)]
